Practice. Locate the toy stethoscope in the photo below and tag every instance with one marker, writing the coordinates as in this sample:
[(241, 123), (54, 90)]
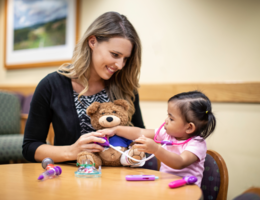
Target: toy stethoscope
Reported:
[(167, 142), (163, 143)]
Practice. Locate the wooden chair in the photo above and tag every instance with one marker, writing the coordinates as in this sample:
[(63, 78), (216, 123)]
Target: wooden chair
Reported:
[(252, 193), (151, 164), (214, 183), (255, 190)]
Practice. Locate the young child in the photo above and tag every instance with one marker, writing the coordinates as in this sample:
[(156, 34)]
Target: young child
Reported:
[(190, 120)]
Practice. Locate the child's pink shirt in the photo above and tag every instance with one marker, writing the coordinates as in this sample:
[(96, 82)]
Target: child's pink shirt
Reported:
[(196, 145)]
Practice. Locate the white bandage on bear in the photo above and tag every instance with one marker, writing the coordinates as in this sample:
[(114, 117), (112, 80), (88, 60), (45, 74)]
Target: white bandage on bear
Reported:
[(125, 161)]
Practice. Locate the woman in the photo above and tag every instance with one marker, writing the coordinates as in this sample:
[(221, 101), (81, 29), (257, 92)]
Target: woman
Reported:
[(105, 66)]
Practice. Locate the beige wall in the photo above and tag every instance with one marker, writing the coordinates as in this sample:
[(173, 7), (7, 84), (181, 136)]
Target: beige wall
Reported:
[(189, 41)]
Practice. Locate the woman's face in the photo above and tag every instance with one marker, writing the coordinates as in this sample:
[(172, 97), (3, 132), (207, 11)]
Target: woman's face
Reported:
[(109, 56)]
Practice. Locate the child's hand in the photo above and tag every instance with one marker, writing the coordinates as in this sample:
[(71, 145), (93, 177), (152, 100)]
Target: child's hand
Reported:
[(109, 132), (147, 145)]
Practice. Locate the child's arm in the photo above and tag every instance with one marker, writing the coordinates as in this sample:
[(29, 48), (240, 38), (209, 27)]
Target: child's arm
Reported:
[(128, 132), (170, 159), (174, 160)]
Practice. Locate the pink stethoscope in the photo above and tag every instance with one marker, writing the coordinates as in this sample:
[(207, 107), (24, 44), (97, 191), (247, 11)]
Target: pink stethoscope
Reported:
[(166, 142)]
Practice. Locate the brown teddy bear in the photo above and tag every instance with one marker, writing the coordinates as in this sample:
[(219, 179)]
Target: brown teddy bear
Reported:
[(108, 115)]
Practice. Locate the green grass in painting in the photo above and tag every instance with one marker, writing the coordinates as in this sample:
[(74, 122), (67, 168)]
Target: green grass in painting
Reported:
[(41, 35)]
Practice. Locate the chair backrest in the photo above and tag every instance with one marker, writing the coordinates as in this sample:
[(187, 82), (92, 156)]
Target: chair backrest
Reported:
[(214, 183), (21, 98), (151, 164), (9, 113), (250, 194), (26, 104)]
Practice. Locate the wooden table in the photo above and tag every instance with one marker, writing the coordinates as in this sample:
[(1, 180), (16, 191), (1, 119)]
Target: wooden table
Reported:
[(19, 181)]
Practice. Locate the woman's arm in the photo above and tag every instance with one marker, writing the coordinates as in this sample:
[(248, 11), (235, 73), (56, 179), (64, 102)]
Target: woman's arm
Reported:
[(38, 121)]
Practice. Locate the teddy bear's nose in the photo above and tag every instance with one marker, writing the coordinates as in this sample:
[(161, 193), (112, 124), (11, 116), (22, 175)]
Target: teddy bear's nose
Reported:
[(109, 119)]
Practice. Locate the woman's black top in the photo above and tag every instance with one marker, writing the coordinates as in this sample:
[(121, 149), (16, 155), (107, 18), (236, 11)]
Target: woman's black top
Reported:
[(53, 102)]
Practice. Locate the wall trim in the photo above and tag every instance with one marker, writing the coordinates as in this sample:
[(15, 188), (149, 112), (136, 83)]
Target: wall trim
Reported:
[(240, 92), (23, 89), (246, 92)]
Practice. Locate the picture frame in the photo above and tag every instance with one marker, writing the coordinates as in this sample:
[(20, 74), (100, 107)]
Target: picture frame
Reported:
[(40, 33)]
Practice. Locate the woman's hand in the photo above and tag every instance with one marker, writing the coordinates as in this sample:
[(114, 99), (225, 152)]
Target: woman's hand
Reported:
[(86, 143), (147, 145)]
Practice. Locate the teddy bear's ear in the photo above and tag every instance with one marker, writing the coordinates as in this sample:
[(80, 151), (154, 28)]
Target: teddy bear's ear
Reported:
[(123, 103), (92, 109)]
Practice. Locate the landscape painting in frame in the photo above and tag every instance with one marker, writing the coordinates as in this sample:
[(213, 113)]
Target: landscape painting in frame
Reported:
[(39, 32)]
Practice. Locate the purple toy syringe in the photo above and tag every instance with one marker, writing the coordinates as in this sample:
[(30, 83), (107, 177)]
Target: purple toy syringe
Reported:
[(187, 180), (105, 144), (50, 173)]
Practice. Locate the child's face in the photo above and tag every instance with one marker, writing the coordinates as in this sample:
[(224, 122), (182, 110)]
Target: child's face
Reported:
[(174, 124)]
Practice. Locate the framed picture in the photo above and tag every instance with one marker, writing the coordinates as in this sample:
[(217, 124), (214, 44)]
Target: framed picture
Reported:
[(40, 33)]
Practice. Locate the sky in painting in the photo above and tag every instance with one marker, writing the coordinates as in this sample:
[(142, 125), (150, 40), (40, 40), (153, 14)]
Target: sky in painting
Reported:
[(31, 12)]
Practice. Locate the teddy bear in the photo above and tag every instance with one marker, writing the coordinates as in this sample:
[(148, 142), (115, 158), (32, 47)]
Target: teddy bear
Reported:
[(108, 115)]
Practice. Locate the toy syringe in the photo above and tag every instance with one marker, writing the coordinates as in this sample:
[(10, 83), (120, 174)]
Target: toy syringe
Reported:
[(51, 170)]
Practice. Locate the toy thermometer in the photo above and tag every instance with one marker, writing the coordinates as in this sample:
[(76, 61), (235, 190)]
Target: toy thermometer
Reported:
[(187, 180), (141, 177)]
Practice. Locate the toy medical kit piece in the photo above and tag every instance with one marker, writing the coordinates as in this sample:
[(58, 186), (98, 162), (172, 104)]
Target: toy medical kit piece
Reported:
[(105, 144), (141, 177), (87, 170), (47, 163), (50, 173), (166, 142), (187, 180)]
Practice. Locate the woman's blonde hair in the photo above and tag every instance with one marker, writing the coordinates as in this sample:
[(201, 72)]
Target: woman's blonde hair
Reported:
[(124, 83)]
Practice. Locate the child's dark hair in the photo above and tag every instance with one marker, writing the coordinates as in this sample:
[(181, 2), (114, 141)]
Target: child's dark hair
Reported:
[(196, 107)]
